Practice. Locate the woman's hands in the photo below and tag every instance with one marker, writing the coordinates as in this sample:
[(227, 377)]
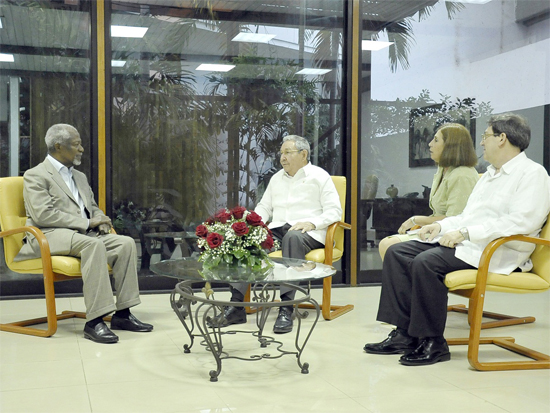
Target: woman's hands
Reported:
[(408, 224)]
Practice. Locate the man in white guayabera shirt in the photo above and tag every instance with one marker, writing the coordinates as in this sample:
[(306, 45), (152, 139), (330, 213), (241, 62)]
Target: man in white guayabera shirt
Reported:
[(511, 198), (299, 203)]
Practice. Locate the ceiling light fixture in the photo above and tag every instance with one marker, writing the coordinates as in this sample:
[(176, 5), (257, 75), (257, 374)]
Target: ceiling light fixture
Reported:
[(253, 37), (374, 45), (473, 1), (311, 71), (128, 31), (118, 63), (215, 68), (5, 57), (1, 27)]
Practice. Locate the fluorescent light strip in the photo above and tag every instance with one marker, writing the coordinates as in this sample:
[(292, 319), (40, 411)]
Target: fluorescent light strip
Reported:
[(1, 26), (310, 71), (473, 1), (253, 37), (374, 45), (215, 68), (4, 57), (128, 31), (118, 63)]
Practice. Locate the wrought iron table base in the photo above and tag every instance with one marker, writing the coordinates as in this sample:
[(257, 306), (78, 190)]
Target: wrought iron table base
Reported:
[(263, 300)]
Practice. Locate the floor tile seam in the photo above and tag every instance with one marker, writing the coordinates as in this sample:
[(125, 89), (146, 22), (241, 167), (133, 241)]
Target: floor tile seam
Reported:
[(469, 391)]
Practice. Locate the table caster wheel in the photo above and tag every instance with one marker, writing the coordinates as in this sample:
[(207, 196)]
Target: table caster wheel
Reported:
[(305, 368), (186, 349)]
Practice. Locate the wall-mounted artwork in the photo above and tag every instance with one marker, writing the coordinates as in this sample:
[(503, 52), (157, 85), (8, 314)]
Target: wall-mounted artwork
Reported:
[(424, 122)]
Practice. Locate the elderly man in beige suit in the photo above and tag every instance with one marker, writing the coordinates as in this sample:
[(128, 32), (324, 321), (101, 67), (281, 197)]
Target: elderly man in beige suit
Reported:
[(59, 201)]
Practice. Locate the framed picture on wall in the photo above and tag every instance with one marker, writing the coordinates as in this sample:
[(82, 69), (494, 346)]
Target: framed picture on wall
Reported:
[(424, 122)]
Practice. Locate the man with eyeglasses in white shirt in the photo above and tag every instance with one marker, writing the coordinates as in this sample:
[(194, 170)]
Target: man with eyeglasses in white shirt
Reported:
[(511, 198), (299, 203)]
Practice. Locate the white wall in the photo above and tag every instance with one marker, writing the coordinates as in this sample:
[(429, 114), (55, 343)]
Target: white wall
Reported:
[(482, 53)]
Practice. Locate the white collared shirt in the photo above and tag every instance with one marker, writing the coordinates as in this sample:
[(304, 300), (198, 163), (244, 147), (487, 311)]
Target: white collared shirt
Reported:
[(67, 175), (514, 201), (308, 196)]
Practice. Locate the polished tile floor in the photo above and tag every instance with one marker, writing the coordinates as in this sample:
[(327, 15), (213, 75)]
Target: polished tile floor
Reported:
[(150, 373)]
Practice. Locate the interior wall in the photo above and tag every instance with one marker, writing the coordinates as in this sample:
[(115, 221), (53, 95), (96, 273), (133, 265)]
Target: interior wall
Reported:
[(481, 53)]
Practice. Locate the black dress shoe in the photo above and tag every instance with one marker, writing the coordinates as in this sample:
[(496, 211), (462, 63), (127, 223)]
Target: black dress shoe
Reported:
[(395, 343), (283, 324), (229, 316), (100, 334), (429, 351), (130, 324)]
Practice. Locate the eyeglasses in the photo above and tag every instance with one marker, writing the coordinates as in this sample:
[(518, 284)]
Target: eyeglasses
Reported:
[(486, 135), (286, 153)]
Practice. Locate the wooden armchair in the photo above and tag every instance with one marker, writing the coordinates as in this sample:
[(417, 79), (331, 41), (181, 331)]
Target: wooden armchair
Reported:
[(474, 284), (333, 251), (53, 268)]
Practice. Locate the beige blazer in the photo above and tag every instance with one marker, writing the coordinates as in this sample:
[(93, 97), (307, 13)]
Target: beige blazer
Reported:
[(50, 206)]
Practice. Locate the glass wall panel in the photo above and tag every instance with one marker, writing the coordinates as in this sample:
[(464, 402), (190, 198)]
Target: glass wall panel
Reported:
[(429, 62), (201, 102), (44, 79)]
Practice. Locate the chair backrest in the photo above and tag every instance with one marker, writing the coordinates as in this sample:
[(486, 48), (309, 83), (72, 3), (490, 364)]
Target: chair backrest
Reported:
[(12, 214), (541, 255), (340, 184)]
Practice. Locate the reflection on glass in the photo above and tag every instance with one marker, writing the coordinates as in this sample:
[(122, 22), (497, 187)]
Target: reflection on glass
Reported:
[(437, 69), (44, 79), (186, 141)]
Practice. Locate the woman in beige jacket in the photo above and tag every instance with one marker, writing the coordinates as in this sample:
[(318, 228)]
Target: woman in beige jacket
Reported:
[(453, 151)]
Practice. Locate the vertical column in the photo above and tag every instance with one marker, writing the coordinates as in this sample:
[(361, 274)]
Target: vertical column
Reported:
[(14, 126), (101, 108), (354, 133)]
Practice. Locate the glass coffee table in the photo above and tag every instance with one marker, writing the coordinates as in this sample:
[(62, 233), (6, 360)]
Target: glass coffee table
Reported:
[(195, 311)]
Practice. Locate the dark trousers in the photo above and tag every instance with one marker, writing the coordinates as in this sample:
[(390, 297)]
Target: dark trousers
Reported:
[(414, 295), (294, 244)]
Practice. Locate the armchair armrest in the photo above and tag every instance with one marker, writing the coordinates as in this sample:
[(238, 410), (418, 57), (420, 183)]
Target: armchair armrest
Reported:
[(42, 243), (331, 230), (483, 269)]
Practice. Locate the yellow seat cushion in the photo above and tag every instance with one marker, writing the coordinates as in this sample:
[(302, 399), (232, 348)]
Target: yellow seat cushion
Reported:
[(69, 266), (517, 282), (317, 255)]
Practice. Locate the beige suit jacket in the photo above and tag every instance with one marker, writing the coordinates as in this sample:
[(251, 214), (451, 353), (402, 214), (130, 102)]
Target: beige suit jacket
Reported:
[(51, 206)]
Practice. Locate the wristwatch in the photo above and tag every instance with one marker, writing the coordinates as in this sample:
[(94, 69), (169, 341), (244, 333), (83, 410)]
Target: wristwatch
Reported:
[(465, 233)]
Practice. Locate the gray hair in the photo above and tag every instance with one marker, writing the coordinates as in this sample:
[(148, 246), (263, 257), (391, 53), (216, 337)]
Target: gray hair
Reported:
[(301, 143), (60, 133), (515, 127)]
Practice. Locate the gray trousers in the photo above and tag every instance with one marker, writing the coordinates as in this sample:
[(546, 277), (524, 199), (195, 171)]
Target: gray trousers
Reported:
[(95, 252), (294, 244)]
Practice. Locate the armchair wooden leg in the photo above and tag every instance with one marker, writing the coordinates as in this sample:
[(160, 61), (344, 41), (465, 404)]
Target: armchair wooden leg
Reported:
[(503, 319), (330, 312), (539, 360)]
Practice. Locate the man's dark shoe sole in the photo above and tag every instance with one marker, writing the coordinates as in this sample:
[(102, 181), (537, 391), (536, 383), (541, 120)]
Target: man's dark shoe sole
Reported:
[(441, 357), (389, 351)]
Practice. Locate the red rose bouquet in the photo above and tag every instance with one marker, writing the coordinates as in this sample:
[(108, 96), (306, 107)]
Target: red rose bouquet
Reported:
[(236, 237)]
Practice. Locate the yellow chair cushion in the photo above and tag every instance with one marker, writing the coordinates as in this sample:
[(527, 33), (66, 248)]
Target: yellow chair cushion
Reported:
[(517, 282), (69, 266), (317, 255)]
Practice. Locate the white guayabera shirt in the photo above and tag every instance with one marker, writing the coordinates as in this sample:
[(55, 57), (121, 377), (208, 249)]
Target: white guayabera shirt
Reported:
[(308, 196), (514, 201)]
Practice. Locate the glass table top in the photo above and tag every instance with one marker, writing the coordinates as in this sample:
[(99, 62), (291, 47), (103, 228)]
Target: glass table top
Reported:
[(282, 270)]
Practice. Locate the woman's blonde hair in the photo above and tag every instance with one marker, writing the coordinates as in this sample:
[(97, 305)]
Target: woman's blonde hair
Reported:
[(459, 147)]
